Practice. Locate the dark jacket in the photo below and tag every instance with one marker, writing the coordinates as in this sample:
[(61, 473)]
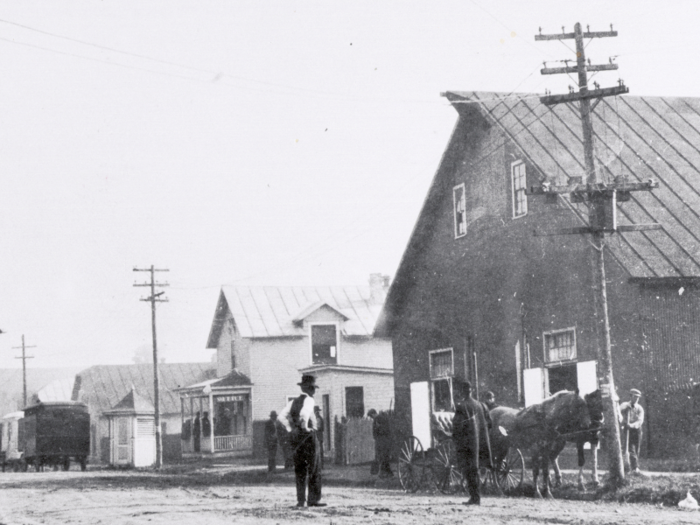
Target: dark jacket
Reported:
[(471, 426), (381, 428), (271, 433)]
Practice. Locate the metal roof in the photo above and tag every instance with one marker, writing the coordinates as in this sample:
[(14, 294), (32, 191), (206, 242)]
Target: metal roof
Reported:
[(637, 138), (270, 311), (102, 387)]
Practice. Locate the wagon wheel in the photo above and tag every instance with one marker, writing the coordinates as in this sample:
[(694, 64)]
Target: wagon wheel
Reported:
[(83, 463), (411, 464), (510, 470), (66, 463), (448, 478)]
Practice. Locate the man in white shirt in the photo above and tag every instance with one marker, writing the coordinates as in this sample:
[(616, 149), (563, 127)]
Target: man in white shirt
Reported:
[(631, 420), (299, 420)]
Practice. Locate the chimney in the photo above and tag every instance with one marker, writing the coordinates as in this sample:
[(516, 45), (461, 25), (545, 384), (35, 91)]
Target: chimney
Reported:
[(378, 287)]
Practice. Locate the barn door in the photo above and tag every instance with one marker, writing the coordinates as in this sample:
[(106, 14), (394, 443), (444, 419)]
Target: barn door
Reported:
[(420, 412), (122, 440), (586, 377), (533, 379)]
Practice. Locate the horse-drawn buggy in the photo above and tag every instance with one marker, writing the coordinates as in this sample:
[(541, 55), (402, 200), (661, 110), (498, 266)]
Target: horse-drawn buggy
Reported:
[(428, 457), (539, 431), (46, 434)]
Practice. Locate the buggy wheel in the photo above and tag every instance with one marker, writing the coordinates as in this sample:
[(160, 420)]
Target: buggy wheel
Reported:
[(66, 463), (83, 464), (510, 470), (411, 464), (448, 479)]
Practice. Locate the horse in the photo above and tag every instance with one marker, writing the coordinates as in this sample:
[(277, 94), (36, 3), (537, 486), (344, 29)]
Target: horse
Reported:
[(594, 400), (537, 428)]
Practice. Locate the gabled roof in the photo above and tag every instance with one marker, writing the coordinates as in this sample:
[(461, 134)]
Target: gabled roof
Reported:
[(103, 386), (270, 311), (311, 308), (135, 403), (231, 380), (637, 138)]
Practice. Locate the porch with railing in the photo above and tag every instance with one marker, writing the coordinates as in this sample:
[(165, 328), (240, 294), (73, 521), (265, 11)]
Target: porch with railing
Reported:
[(233, 443)]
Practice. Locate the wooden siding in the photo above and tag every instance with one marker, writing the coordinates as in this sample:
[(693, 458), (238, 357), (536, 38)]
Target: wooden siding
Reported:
[(500, 285)]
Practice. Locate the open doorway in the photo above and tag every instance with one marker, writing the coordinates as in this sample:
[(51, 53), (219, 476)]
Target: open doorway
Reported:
[(562, 378)]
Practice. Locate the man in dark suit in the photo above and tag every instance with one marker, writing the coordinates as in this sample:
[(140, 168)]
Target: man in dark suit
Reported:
[(320, 431), (271, 441), (299, 419), (471, 437)]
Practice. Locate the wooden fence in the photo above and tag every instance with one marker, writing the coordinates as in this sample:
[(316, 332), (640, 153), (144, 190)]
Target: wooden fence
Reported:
[(354, 443)]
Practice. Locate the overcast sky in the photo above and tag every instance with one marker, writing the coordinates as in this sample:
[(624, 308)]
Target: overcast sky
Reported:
[(261, 142)]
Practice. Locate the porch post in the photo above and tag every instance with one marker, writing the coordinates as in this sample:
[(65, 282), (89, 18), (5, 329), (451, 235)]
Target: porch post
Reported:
[(211, 420)]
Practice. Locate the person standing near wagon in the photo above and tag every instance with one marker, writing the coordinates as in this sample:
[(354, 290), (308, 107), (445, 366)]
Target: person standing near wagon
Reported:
[(299, 419), (471, 438), (381, 432), (631, 420)]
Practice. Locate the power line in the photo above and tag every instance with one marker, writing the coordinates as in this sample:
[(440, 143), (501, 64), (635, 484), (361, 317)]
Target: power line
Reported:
[(216, 76)]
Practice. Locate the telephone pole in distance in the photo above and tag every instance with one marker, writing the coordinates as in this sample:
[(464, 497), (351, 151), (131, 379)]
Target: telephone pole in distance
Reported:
[(602, 201), (153, 299), (24, 358)]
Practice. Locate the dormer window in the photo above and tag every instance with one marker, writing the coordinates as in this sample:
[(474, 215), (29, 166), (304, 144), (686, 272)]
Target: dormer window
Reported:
[(459, 199), (324, 344), (518, 185)]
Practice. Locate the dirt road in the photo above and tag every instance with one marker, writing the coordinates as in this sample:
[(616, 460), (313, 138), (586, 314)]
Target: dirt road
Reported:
[(132, 498)]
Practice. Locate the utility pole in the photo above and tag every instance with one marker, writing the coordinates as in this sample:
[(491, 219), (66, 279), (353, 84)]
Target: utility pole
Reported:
[(153, 299), (24, 358), (602, 201)]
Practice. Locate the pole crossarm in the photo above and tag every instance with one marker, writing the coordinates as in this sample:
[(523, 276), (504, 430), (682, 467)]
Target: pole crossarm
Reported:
[(576, 187), (571, 36), (584, 94), (574, 69), (586, 229)]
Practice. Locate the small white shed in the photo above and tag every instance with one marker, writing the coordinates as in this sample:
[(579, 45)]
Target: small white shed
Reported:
[(132, 432)]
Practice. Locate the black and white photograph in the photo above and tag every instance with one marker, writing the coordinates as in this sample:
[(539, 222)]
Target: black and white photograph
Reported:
[(380, 262)]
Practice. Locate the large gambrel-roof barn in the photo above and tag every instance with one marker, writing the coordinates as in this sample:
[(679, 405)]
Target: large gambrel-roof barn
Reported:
[(478, 294)]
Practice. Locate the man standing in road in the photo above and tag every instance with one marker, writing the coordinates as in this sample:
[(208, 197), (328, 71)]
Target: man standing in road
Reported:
[(631, 421), (271, 442), (299, 419), (320, 432), (471, 437)]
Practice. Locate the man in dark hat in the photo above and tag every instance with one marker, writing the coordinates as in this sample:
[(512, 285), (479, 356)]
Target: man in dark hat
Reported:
[(271, 441), (631, 420), (471, 437), (299, 419), (490, 400)]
